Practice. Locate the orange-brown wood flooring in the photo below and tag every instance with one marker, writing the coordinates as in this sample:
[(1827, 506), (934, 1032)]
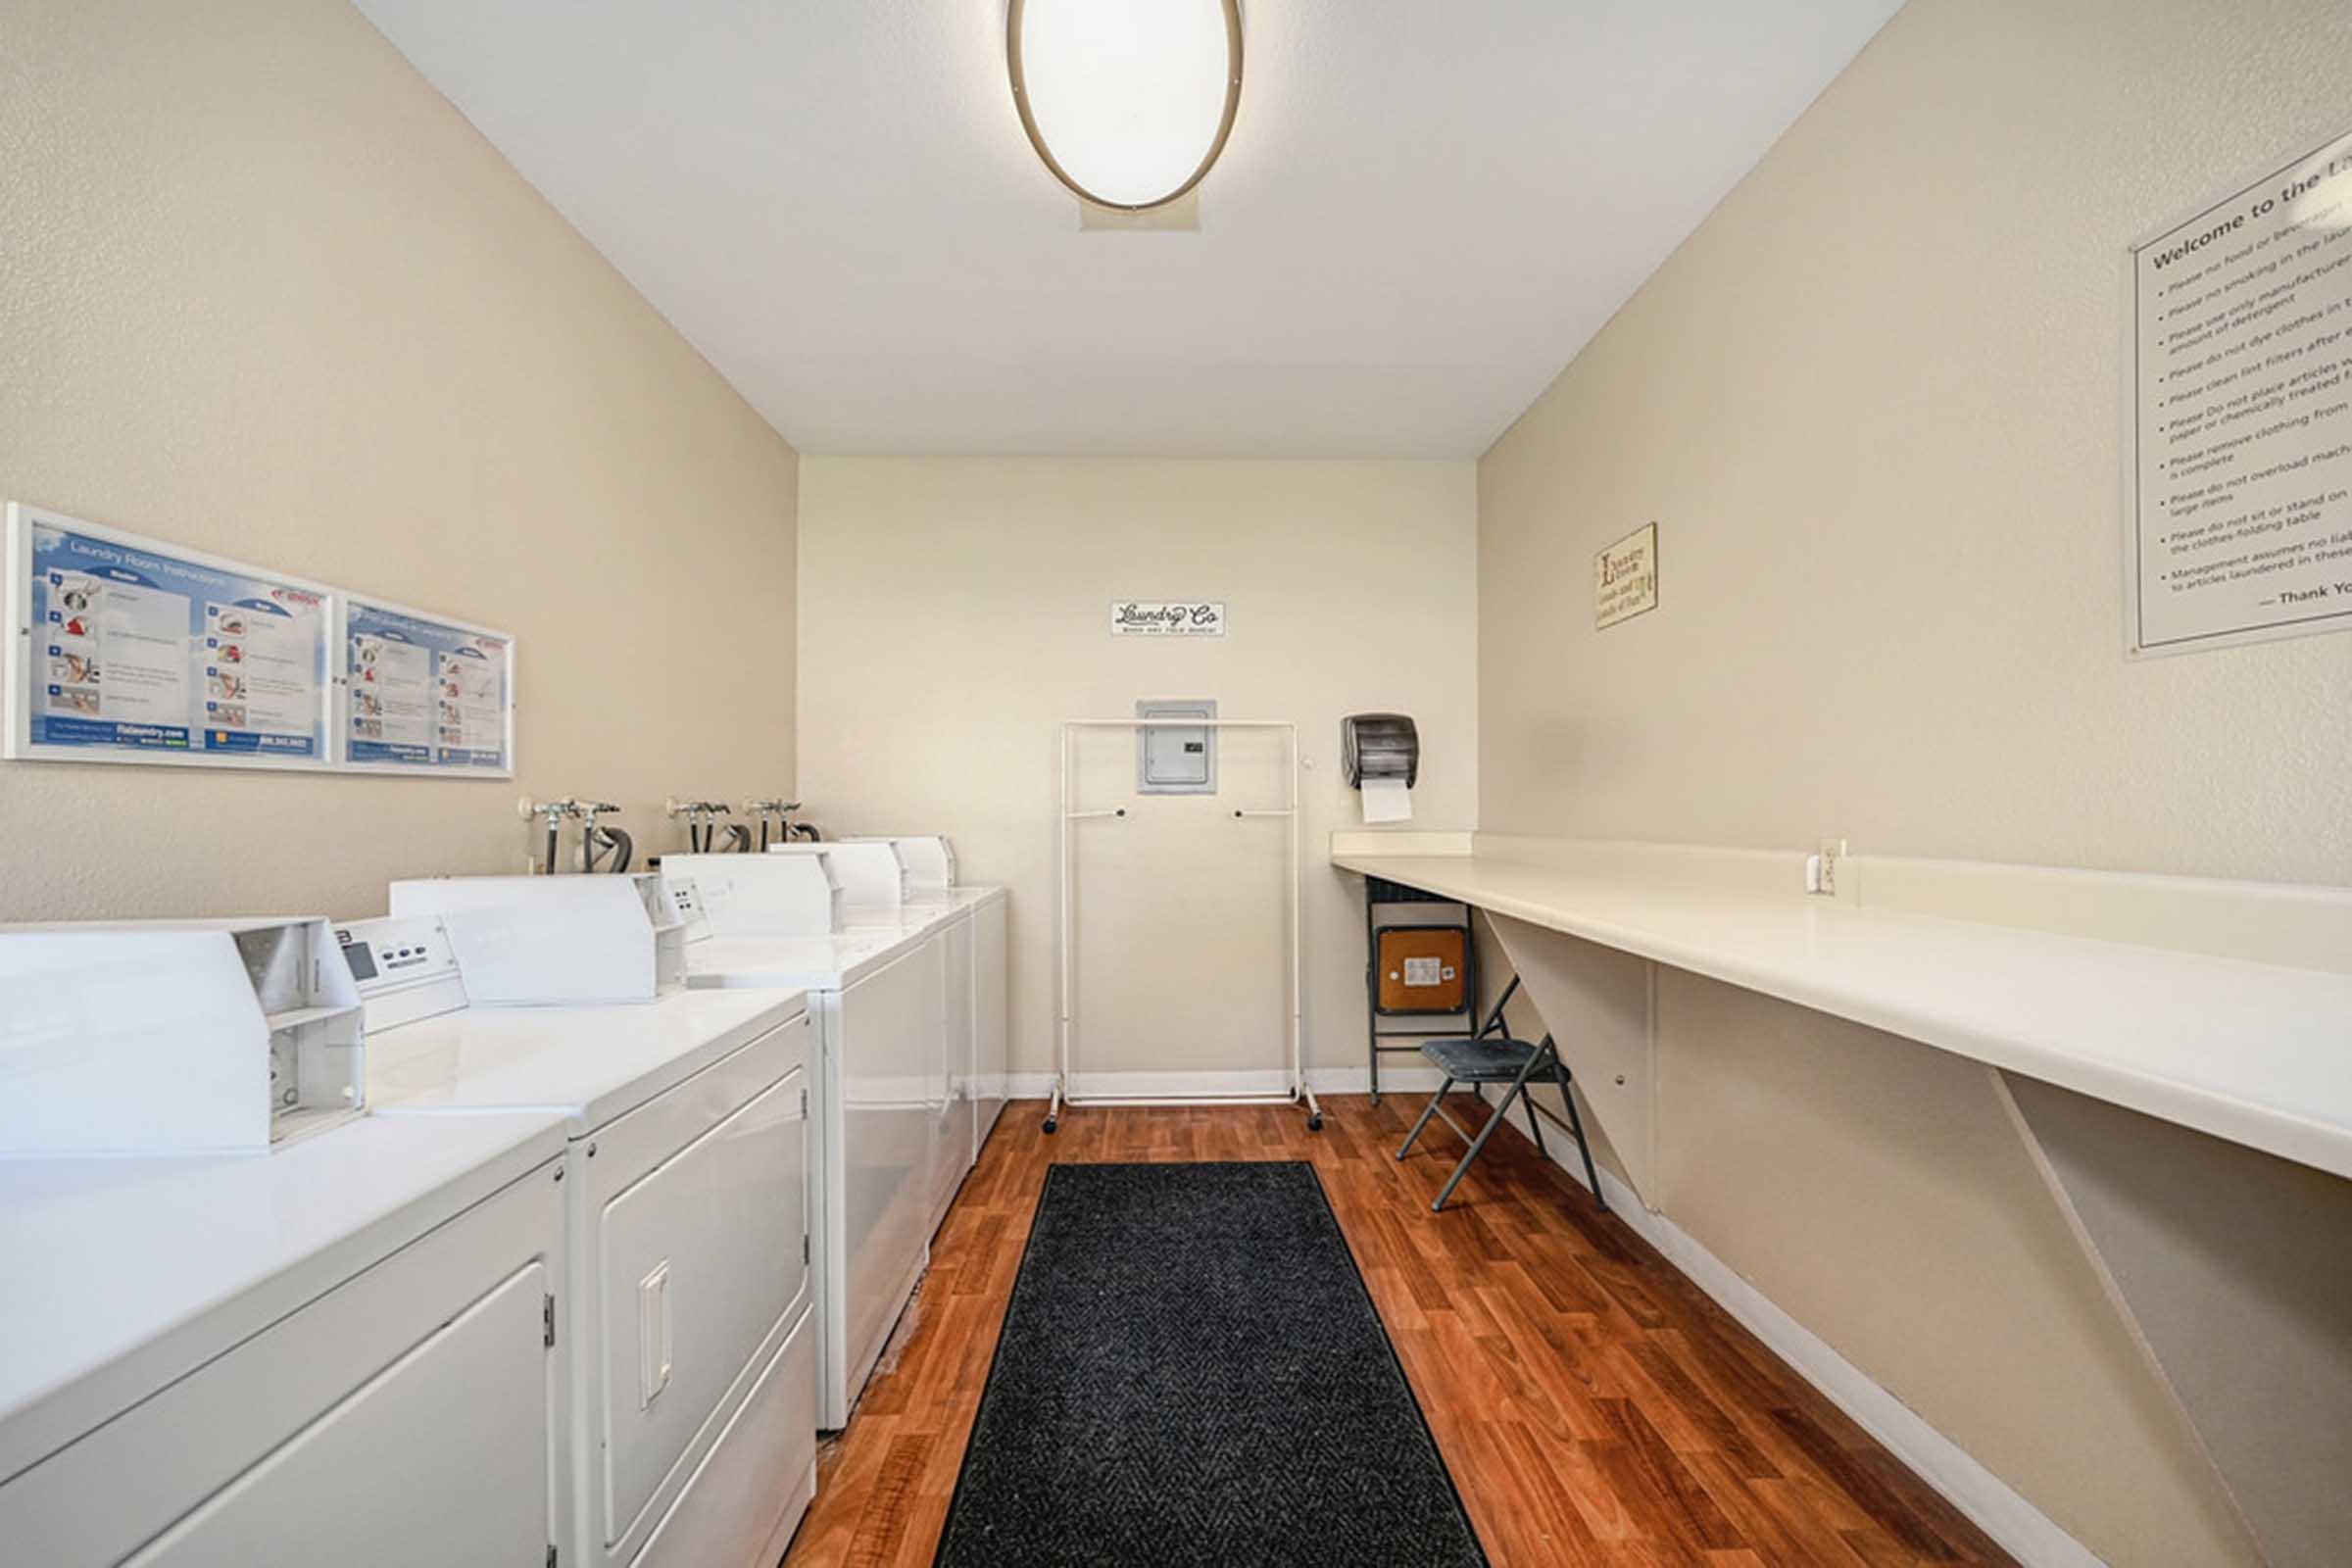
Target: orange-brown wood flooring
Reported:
[(1594, 1408)]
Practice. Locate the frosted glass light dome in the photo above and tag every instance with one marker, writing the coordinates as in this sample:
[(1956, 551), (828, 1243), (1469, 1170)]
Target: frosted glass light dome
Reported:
[(1127, 101)]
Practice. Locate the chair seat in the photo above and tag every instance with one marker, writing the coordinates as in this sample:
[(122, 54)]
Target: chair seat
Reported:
[(1493, 1060)]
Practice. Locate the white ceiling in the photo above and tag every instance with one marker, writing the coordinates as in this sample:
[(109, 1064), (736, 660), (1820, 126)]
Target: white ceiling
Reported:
[(1426, 209)]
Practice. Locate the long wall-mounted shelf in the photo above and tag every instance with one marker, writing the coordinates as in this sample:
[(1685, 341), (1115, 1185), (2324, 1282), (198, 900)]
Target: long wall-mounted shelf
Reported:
[(2254, 1052)]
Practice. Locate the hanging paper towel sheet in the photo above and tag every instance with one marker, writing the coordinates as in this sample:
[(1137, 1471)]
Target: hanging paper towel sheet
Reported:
[(1387, 800)]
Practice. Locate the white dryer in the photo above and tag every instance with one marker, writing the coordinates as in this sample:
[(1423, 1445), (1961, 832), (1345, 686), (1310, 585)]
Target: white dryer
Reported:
[(692, 1354), (332, 1348), (992, 1021), (894, 1002), (903, 886)]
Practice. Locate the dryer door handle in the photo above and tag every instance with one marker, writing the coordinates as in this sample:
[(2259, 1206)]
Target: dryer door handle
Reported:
[(653, 1335)]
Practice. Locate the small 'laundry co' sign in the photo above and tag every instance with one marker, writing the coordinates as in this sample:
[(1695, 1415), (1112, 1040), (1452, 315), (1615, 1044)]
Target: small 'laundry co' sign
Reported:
[(1167, 618)]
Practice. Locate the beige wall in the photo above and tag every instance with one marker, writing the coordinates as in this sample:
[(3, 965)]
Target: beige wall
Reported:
[(954, 611), (1951, 1278), (2232, 1265), (1872, 405), (1884, 1195), (262, 292)]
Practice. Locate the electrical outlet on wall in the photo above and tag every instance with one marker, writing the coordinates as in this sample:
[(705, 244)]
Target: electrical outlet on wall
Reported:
[(1821, 869)]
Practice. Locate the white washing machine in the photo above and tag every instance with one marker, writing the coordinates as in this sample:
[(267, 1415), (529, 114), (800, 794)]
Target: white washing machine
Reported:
[(929, 861), (332, 1348), (893, 1006), (928, 858), (692, 1351), (992, 1018), (969, 922)]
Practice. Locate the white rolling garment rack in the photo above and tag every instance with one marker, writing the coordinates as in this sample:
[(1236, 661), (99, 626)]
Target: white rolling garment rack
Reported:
[(1067, 936)]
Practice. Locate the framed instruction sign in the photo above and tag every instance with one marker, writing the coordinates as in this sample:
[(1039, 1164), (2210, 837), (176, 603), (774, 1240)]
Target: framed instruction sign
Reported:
[(123, 649), (1625, 579), (425, 694), (2237, 397)]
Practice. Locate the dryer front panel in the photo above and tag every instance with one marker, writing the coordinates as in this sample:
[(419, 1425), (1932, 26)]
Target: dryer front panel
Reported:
[(892, 1074), (701, 1260), (439, 1458)]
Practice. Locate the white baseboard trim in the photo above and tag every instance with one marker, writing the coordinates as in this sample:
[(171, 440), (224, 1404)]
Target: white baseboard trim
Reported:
[(1991, 1503), (1180, 1085), (1399, 1080), (1323, 1080)]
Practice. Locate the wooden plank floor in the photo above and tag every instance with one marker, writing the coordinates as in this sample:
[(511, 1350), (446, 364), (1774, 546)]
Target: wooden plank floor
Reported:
[(1594, 1407)]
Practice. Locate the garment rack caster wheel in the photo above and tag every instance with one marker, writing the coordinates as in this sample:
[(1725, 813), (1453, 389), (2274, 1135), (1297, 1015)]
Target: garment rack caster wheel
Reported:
[(1315, 1124), (1051, 1123)]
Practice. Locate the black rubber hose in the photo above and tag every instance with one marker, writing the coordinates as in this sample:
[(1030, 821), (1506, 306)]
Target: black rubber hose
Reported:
[(622, 848), (550, 846)]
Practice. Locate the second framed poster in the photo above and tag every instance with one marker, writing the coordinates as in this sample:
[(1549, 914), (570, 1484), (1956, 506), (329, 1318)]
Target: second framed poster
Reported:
[(424, 694)]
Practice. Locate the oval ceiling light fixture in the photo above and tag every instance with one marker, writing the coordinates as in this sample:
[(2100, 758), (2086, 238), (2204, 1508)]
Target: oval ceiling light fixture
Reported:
[(1128, 102)]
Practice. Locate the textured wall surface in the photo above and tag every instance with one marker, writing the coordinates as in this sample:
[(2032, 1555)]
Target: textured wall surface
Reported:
[(2234, 1266), (1873, 406), (955, 611), (264, 292), (1876, 1191)]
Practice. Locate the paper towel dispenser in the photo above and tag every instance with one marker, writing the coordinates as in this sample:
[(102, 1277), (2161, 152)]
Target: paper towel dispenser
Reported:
[(1382, 746)]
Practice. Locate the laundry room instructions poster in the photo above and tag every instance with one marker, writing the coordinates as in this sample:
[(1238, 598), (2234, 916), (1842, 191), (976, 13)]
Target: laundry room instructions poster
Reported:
[(130, 649), (125, 650), (424, 694)]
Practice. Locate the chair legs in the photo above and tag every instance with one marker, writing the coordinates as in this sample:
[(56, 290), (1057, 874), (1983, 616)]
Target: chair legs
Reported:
[(1463, 1169), (1549, 1058), (1576, 1125), (1427, 1111), (1501, 1110)]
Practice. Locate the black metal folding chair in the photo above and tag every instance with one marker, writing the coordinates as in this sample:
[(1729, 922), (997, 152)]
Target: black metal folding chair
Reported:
[(1492, 1057)]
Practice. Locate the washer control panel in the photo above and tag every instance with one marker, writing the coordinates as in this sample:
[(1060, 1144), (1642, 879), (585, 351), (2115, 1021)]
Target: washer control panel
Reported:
[(404, 968)]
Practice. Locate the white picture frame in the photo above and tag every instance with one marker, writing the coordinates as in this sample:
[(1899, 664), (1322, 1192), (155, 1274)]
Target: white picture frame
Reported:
[(30, 690), (361, 607)]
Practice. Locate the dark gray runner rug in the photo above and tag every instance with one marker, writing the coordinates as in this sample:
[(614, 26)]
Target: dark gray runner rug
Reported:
[(1192, 1372)]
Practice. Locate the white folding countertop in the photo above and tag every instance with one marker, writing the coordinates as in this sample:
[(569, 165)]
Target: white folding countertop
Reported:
[(124, 1273), (2254, 1052), (589, 1064)]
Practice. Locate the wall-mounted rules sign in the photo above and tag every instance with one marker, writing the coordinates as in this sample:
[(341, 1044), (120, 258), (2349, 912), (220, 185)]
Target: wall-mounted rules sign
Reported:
[(1625, 577), (2237, 373), (1167, 618)]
